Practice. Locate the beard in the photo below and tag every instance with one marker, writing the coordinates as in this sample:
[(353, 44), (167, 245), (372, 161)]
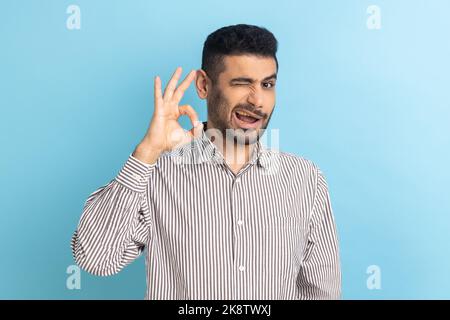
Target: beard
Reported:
[(220, 114)]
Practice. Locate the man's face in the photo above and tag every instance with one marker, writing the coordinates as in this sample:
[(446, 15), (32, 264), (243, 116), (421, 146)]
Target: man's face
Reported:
[(243, 98)]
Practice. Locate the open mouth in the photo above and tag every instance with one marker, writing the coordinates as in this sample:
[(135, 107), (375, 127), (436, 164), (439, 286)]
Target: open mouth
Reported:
[(246, 119), (245, 116)]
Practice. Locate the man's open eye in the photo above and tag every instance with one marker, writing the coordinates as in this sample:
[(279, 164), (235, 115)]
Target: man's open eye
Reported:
[(268, 85)]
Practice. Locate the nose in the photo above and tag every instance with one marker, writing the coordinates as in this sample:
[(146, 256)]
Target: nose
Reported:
[(255, 97)]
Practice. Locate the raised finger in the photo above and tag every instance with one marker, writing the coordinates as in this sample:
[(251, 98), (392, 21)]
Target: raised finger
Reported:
[(168, 92), (178, 94), (157, 90)]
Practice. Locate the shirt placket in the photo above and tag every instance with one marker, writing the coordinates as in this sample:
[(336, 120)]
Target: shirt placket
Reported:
[(240, 265)]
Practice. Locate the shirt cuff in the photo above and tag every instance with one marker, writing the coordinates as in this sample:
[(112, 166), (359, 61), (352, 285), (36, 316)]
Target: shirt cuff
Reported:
[(135, 173)]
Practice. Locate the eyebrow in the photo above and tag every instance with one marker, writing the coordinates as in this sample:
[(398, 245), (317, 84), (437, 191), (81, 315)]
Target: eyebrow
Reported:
[(245, 79)]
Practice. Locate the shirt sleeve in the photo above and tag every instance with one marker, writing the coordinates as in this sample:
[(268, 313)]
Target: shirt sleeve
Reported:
[(115, 222), (320, 273)]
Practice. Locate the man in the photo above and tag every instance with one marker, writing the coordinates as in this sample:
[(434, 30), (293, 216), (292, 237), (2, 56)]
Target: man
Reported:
[(219, 215)]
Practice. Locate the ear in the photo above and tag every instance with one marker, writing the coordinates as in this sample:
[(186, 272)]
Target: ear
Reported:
[(202, 84)]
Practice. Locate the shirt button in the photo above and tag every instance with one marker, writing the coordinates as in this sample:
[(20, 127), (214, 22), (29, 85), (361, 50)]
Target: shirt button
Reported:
[(240, 222), (136, 176), (241, 268)]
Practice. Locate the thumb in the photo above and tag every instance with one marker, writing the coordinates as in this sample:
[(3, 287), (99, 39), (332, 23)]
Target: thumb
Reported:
[(196, 131)]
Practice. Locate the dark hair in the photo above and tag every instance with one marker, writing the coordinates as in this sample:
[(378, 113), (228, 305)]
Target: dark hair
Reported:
[(237, 39)]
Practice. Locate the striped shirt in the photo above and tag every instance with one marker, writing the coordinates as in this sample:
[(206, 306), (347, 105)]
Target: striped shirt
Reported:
[(209, 233)]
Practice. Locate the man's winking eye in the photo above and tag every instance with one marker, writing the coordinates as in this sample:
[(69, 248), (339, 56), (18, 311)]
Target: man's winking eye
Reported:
[(241, 81)]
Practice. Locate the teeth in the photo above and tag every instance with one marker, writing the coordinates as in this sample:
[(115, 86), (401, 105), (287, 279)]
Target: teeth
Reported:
[(245, 114)]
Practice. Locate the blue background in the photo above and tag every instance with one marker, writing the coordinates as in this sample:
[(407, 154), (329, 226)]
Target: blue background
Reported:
[(370, 107)]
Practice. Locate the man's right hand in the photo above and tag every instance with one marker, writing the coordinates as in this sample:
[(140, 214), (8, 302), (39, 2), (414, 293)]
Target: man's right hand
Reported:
[(164, 132)]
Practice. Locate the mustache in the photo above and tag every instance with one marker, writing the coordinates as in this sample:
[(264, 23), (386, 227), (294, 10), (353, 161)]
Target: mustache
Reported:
[(251, 109)]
